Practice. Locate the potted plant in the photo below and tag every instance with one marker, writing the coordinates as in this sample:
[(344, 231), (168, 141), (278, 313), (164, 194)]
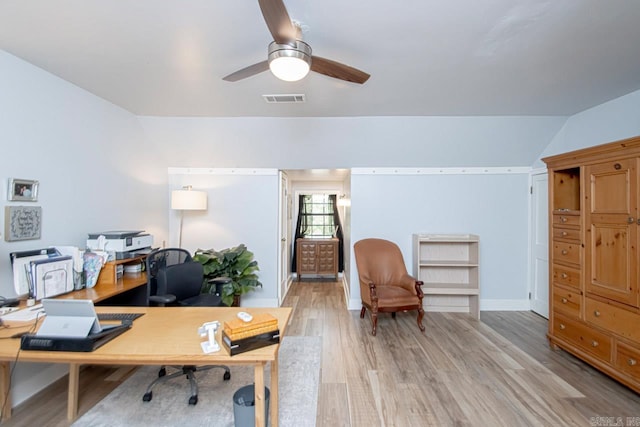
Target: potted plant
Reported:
[(235, 263)]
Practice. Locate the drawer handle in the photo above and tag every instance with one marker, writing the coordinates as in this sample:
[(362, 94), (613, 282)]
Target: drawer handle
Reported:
[(631, 362), (617, 166), (596, 313), (564, 252), (562, 326), (565, 275), (564, 233), (564, 300), (563, 219), (594, 343)]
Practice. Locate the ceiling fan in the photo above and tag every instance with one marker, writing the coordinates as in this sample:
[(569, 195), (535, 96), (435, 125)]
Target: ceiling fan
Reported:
[(290, 58)]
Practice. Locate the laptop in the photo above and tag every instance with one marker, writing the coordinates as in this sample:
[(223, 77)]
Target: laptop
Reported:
[(70, 318)]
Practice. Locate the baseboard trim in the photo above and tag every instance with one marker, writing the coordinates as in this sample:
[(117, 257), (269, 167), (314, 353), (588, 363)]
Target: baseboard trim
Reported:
[(485, 305)]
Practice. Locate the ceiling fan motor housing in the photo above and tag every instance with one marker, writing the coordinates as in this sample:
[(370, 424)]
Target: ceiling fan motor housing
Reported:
[(292, 49)]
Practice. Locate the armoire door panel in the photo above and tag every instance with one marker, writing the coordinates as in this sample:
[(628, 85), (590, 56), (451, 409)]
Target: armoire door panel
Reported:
[(612, 232)]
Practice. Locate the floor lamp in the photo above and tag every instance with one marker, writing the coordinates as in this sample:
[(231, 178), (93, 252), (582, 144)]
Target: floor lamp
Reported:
[(187, 199)]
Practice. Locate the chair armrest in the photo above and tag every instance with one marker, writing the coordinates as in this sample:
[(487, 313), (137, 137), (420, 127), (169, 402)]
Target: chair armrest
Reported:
[(219, 280), (217, 283), (409, 282), (162, 299)]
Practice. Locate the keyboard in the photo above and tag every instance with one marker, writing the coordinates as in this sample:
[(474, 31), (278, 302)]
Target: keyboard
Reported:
[(119, 316)]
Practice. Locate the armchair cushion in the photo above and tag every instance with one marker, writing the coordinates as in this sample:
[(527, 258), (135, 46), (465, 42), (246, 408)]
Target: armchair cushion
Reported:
[(395, 296)]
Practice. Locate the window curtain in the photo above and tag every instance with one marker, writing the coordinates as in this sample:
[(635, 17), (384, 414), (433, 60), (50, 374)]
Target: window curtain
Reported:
[(339, 234), (301, 227)]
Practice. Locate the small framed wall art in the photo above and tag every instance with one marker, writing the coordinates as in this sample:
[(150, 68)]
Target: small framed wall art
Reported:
[(23, 190), (22, 222)]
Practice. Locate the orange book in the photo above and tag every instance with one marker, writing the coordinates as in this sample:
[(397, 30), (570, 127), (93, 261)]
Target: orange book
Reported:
[(259, 321)]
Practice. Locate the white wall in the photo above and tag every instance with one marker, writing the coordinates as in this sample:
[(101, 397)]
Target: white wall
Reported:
[(94, 167), (395, 203), (242, 208), (398, 142), (306, 143), (608, 122)]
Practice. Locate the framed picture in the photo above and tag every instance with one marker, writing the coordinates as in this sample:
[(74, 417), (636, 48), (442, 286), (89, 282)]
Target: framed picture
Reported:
[(22, 223), (23, 190)]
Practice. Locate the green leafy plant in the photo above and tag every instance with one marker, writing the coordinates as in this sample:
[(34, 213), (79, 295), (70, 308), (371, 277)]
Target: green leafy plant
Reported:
[(235, 263)]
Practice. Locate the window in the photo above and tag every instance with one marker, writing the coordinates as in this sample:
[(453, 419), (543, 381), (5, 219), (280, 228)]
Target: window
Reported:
[(317, 216)]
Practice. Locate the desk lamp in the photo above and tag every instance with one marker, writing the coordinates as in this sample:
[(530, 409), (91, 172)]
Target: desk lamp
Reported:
[(187, 199)]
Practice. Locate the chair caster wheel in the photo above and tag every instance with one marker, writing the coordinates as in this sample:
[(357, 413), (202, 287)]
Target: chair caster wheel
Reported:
[(193, 400), (226, 376), (162, 372), (147, 397)]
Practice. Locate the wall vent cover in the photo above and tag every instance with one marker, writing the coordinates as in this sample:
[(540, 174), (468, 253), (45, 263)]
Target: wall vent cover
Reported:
[(290, 98)]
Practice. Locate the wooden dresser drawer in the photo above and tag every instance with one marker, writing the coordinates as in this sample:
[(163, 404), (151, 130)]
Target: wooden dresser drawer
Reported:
[(622, 322), (627, 360), (566, 234), (566, 301), (583, 336), (566, 276), (565, 219), (566, 252)]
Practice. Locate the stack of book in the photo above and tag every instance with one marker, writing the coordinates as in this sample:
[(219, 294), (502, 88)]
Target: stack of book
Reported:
[(239, 336)]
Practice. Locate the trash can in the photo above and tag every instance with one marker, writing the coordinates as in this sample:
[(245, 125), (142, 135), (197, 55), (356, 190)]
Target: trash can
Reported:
[(244, 409)]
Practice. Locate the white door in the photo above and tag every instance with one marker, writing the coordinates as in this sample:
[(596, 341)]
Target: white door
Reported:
[(283, 232), (539, 263)]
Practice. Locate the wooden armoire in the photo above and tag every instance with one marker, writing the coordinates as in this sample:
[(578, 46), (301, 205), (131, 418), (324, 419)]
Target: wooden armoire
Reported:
[(594, 302)]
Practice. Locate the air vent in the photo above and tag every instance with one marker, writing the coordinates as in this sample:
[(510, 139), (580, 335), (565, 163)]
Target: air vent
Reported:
[(287, 98)]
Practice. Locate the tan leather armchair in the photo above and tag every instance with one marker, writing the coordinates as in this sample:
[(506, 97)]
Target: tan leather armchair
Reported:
[(385, 285)]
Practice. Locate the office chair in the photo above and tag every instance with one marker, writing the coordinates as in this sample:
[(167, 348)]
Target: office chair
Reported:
[(173, 278), (385, 285)]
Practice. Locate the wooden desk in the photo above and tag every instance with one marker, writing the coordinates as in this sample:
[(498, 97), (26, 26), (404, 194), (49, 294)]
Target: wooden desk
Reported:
[(130, 289), (164, 335), (134, 283)]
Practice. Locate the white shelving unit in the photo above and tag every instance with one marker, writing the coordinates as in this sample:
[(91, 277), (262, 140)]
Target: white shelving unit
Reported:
[(448, 266)]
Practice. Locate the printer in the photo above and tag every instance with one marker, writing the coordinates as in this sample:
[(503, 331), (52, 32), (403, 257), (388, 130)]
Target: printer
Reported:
[(125, 244)]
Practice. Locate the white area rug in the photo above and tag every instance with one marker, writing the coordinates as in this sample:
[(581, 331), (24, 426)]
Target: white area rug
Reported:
[(299, 369)]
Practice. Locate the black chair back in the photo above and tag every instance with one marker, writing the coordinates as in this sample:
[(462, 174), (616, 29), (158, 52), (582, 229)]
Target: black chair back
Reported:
[(157, 261), (182, 280)]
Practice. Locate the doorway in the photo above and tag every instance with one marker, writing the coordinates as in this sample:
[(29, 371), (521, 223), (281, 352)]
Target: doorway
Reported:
[(312, 181)]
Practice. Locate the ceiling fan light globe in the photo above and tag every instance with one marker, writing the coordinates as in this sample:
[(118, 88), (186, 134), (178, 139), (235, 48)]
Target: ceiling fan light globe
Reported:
[(290, 62), (289, 69)]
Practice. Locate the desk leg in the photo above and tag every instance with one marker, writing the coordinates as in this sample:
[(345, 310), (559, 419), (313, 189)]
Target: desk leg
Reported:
[(273, 410), (72, 399), (259, 391), (5, 397)]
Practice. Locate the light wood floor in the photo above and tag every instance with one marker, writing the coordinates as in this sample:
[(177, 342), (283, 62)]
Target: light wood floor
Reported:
[(459, 372)]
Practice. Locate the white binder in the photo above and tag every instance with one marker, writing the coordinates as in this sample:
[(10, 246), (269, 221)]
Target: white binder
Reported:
[(51, 277)]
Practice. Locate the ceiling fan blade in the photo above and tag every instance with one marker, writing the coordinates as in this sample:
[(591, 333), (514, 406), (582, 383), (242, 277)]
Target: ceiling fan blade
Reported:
[(277, 18), (249, 71), (337, 70)]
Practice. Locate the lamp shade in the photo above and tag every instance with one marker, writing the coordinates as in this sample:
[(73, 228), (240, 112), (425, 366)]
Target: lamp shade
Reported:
[(189, 200)]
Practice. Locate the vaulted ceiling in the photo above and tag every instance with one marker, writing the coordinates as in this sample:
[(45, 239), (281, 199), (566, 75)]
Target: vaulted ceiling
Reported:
[(425, 57)]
